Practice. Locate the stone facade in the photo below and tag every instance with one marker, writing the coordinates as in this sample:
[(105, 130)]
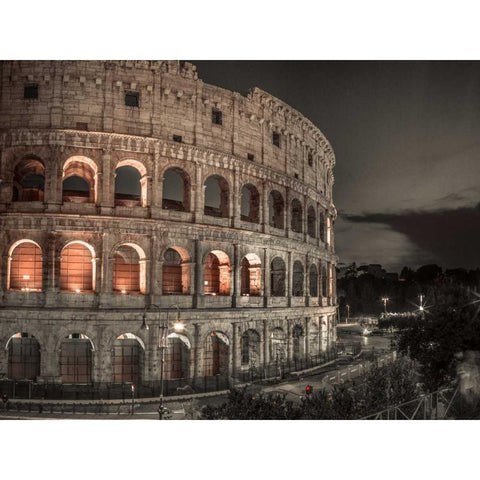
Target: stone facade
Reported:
[(61, 119)]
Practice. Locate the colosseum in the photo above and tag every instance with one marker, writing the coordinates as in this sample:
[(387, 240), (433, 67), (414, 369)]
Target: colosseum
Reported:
[(158, 231)]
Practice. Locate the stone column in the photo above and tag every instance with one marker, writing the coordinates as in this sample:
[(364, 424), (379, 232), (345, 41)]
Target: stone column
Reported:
[(236, 276), (233, 355), (265, 211), (289, 279), (307, 337), (306, 281), (235, 200), (197, 370), (266, 277), (198, 194), (287, 213), (198, 285), (266, 339), (108, 183), (289, 340)]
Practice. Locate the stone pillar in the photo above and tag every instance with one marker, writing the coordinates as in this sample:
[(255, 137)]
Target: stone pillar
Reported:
[(198, 285), (289, 279), (198, 194), (305, 218), (236, 275), (266, 277), (108, 181), (233, 354), (265, 211), (307, 337), (289, 340), (306, 281), (287, 212), (197, 370), (266, 359), (235, 200), (107, 264)]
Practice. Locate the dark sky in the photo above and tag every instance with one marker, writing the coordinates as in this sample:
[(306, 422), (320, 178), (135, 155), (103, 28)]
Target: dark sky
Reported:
[(406, 136)]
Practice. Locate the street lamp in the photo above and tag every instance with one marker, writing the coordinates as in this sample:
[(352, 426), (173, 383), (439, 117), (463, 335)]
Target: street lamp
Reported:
[(385, 300), (348, 313), (178, 326)]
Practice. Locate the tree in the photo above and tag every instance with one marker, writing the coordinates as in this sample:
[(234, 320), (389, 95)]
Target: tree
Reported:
[(450, 326)]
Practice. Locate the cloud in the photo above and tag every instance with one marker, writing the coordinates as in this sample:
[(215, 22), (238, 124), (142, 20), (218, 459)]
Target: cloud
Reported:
[(449, 236)]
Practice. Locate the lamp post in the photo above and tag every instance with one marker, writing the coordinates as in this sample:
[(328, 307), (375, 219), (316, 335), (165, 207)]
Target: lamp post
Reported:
[(178, 326), (385, 300), (348, 313)]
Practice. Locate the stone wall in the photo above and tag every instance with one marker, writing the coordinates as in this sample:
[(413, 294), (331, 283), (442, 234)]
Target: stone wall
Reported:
[(80, 119)]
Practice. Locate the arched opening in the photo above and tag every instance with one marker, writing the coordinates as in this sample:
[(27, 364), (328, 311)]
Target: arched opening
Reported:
[(76, 359), (127, 359), (128, 188), (25, 273), (250, 204), (29, 180), (129, 270), (297, 212), (324, 281), (251, 275), (217, 273), (216, 357), (276, 209), (314, 339), (313, 280), (278, 346), (76, 268), (250, 348), (297, 280), (23, 357), (176, 272), (298, 341), (177, 357), (277, 279), (79, 180), (311, 224), (321, 222), (176, 190), (216, 197)]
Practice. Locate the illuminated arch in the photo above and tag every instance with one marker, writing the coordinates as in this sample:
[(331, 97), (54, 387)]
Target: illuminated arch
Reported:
[(216, 354), (217, 273), (177, 356), (80, 180), (29, 180), (176, 271), (25, 266), (127, 358), (251, 275), (130, 183), (129, 272), (77, 267)]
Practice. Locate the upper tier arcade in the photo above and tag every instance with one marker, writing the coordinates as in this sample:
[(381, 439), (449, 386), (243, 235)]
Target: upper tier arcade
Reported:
[(165, 100)]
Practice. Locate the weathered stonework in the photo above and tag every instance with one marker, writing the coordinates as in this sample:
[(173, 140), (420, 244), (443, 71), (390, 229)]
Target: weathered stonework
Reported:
[(80, 120)]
